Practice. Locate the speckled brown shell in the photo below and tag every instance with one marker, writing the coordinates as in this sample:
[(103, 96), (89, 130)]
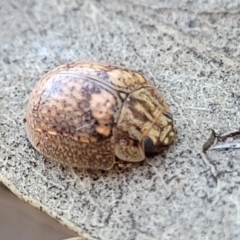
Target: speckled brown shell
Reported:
[(88, 114)]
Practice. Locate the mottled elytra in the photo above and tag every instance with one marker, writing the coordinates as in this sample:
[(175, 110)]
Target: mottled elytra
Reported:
[(93, 115)]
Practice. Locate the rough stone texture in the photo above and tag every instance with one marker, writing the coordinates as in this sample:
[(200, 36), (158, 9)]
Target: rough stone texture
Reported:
[(190, 50)]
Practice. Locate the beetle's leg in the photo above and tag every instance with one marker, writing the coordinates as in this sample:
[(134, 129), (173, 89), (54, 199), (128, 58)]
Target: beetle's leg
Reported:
[(147, 162), (124, 165)]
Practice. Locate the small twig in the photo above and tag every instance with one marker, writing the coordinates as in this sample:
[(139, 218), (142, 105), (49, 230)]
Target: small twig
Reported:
[(211, 140), (233, 145), (229, 134), (211, 166)]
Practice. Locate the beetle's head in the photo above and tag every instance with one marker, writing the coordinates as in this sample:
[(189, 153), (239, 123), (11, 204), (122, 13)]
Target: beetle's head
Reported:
[(159, 135), (145, 126)]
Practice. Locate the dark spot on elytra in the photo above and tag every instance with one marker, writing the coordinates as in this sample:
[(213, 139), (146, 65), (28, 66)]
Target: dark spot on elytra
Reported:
[(96, 89)]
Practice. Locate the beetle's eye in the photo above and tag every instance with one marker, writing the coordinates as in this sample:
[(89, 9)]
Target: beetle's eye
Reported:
[(151, 149), (149, 146)]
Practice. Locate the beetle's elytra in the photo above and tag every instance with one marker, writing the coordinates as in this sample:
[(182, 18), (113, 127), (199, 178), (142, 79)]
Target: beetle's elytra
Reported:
[(91, 115)]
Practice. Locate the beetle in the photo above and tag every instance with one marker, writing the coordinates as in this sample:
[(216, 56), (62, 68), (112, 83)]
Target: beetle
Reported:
[(94, 115)]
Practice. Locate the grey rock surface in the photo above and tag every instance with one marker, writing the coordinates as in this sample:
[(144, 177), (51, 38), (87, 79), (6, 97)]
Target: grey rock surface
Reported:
[(191, 51)]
